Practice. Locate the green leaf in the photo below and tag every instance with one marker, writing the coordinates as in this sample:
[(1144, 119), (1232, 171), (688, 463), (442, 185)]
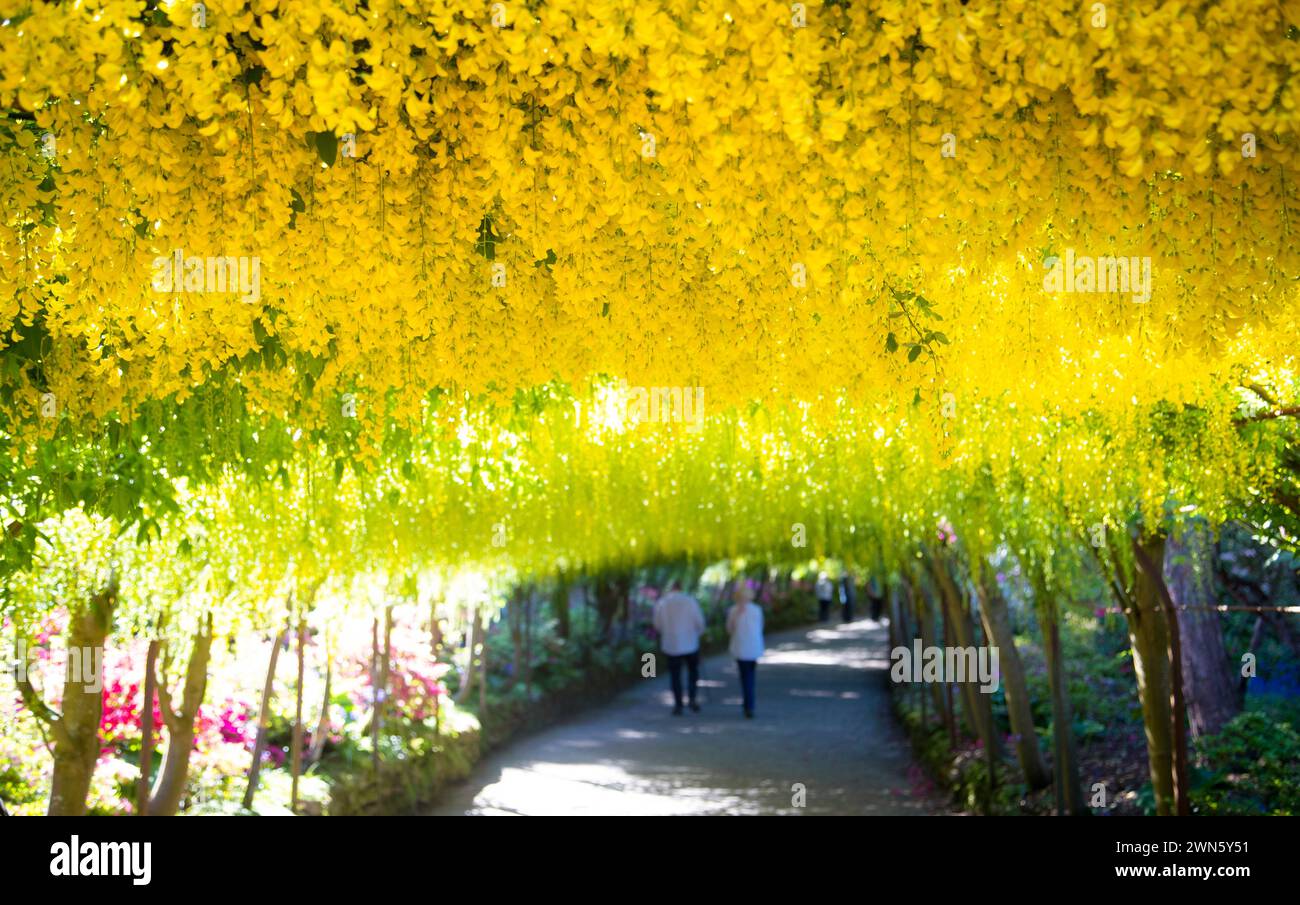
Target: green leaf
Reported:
[(327, 147), (251, 76), (914, 352), (488, 237), (891, 343)]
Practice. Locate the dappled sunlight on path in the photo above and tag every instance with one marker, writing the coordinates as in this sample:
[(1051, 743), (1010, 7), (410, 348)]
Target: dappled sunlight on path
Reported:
[(822, 721)]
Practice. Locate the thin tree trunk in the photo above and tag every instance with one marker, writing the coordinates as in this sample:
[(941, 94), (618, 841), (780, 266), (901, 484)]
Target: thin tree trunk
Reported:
[(295, 744), (560, 604), (259, 747), (323, 724), (1178, 704), (1069, 791), (926, 617), (978, 705), (147, 728), (472, 629), (167, 797), (483, 673), (997, 625), (528, 647), (376, 713), (387, 671), (435, 631)]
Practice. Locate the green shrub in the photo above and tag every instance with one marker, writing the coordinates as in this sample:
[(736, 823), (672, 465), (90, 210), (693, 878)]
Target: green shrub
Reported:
[(1251, 767)]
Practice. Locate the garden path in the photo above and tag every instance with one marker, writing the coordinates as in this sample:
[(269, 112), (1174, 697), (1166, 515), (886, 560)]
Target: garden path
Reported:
[(823, 721)]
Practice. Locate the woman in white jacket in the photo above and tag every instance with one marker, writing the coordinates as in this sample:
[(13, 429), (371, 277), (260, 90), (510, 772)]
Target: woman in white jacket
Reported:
[(745, 625)]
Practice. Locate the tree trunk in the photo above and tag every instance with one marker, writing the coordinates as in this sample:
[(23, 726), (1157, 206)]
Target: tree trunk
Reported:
[(997, 625), (607, 606), (1212, 698), (1065, 756), (560, 604), (147, 729), (483, 671), (528, 646), (1148, 637), (323, 724), (625, 599), (472, 630), (978, 706), (435, 631), (925, 617), (1149, 556), (295, 745), (376, 693), (167, 796), (259, 747), (1283, 631), (76, 731)]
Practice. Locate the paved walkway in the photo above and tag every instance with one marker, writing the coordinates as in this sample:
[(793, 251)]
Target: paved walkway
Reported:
[(822, 721)]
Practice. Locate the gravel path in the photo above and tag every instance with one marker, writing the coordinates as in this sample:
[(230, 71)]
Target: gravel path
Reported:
[(822, 721)]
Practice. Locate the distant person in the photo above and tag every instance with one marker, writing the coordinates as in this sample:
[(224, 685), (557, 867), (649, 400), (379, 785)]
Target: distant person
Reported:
[(877, 595), (679, 622), (745, 625), (825, 594), (848, 595)]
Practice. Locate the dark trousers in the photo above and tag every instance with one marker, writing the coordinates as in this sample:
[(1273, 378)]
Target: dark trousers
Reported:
[(877, 604), (692, 662), (823, 610), (747, 672), (846, 612)]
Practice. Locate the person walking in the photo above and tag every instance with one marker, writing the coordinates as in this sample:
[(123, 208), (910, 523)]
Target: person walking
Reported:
[(848, 595), (745, 625), (877, 599), (825, 594), (679, 623)]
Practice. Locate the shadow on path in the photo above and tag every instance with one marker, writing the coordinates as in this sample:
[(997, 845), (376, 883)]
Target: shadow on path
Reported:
[(823, 720)]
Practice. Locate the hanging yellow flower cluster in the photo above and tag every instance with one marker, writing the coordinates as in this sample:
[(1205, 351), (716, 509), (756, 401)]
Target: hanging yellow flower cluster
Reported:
[(759, 199)]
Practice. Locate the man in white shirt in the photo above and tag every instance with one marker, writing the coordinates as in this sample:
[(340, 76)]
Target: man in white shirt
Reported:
[(825, 594), (680, 623)]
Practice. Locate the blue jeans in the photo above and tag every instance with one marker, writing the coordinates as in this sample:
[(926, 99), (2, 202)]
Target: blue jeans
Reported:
[(747, 671)]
